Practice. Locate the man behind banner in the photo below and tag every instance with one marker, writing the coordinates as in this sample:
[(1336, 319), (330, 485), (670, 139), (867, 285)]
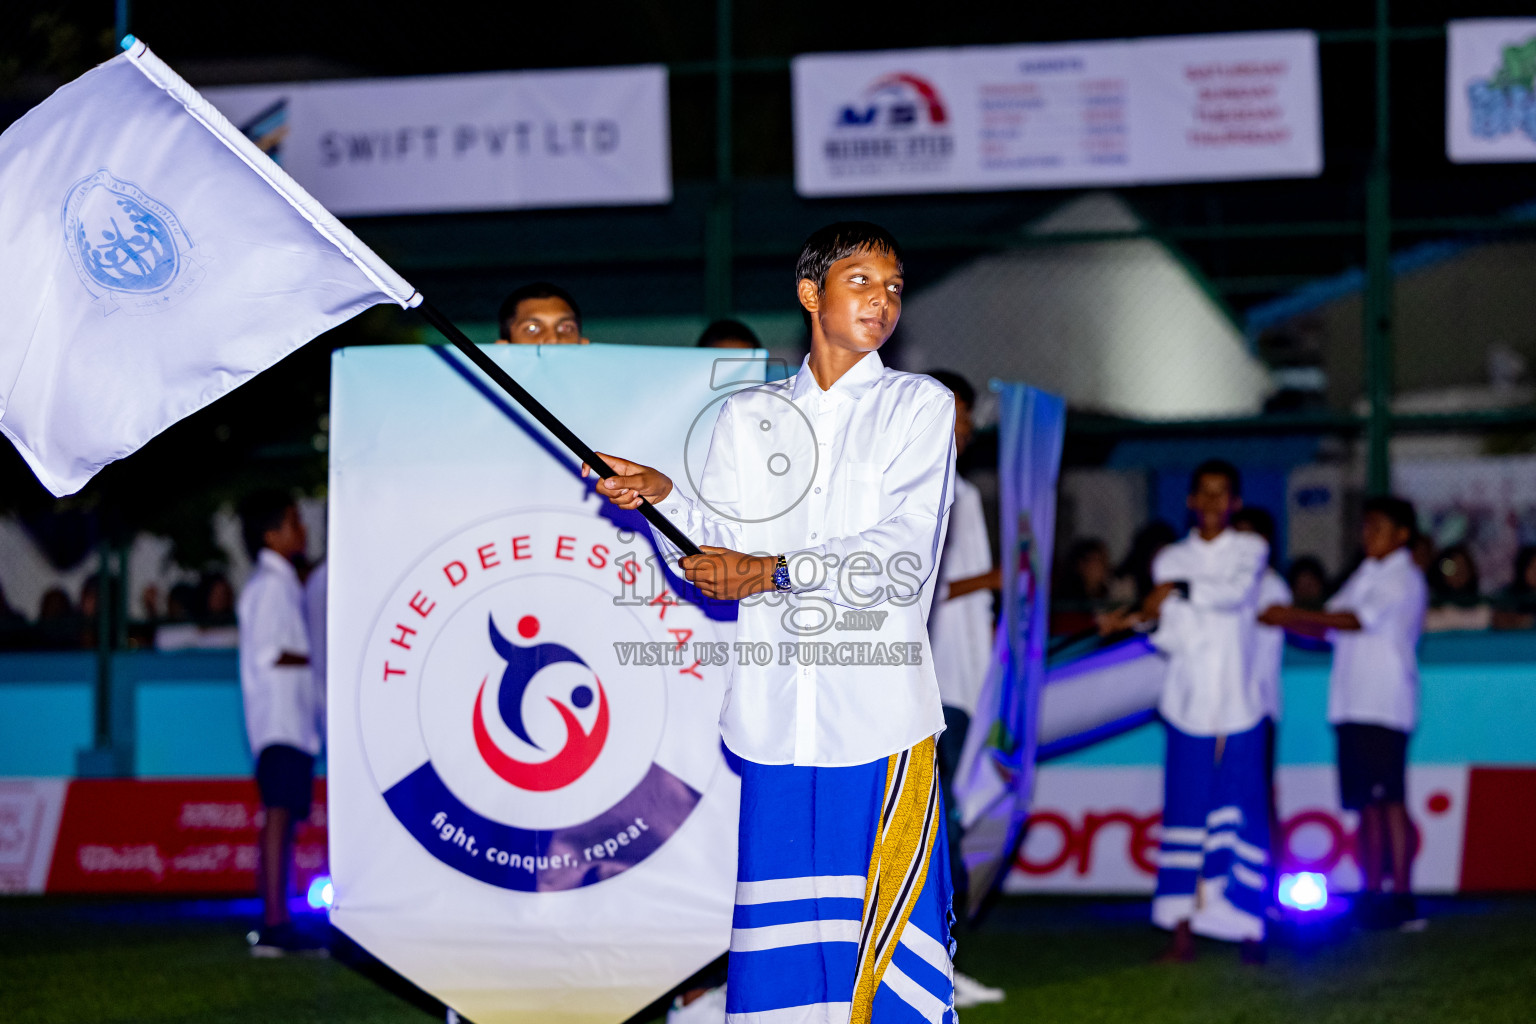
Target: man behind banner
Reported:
[(844, 473)]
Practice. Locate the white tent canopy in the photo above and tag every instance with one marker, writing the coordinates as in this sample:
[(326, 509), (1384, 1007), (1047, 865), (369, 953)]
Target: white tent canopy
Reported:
[(1120, 327)]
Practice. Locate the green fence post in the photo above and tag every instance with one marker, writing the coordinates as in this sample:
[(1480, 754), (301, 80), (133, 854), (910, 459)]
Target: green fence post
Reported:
[(718, 241), (1378, 272)]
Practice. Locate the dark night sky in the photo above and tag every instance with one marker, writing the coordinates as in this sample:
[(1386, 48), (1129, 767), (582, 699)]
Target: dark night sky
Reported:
[(44, 44)]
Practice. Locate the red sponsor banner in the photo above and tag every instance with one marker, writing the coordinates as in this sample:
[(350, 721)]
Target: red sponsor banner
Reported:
[(172, 836), (1095, 829), (1500, 851)]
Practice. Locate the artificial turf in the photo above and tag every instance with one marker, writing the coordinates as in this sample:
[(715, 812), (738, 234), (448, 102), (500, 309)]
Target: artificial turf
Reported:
[(1060, 960)]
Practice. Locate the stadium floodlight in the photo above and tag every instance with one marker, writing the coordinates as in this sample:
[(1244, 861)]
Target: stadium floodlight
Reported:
[(321, 892), (1305, 890)]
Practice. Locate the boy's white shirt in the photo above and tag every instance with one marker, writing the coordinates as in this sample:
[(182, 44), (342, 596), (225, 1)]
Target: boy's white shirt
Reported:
[(1211, 689), (1269, 643), (1375, 677), (282, 703), (854, 485), (960, 628)]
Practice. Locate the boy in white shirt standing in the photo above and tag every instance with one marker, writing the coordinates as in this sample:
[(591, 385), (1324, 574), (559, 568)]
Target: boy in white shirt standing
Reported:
[(283, 705), (823, 501), (1374, 622), (1213, 865)]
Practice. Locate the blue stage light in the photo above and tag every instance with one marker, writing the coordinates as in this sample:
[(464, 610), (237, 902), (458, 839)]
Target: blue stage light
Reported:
[(1305, 890), (321, 892)]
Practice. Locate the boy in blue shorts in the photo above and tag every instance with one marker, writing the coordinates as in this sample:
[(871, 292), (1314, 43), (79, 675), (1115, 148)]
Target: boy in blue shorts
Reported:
[(1374, 622)]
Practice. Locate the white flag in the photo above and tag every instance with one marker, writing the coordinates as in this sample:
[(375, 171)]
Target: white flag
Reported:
[(152, 259)]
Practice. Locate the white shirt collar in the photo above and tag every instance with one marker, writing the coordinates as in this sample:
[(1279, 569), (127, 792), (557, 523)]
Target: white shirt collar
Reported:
[(861, 376), (270, 559), (1396, 557)]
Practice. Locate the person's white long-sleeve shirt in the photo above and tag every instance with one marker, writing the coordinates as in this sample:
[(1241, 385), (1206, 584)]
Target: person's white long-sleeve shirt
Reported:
[(1211, 689), (316, 586), (960, 628), (282, 703), (1269, 643), (853, 484), (1375, 679)]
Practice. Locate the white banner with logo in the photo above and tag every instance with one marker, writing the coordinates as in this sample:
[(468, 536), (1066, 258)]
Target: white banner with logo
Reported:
[(532, 816), (1490, 100), (1118, 112), (492, 141)]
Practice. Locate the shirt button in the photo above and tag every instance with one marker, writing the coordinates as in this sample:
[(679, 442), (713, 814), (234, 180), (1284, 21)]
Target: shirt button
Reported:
[(818, 490), (813, 536)]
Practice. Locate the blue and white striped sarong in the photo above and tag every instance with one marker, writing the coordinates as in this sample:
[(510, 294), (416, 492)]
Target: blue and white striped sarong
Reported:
[(1213, 865), (842, 896)]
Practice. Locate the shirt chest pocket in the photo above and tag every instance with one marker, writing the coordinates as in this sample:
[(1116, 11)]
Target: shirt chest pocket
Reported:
[(861, 490)]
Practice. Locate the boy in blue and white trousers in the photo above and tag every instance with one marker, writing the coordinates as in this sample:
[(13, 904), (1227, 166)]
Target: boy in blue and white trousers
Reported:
[(822, 494)]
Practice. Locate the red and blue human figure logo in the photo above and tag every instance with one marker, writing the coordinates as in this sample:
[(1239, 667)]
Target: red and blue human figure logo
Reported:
[(581, 747)]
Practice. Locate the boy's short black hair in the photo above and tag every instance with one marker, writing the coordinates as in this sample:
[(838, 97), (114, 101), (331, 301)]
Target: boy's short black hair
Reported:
[(956, 383), (1256, 519), (261, 511), (1399, 512), (839, 241), (533, 290), (1217, 467), (728, 330)]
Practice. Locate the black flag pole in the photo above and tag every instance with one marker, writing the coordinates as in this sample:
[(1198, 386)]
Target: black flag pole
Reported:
[(547, 419)]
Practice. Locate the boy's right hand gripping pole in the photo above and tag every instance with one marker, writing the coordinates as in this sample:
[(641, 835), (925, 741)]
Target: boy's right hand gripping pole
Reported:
[(536, 409)]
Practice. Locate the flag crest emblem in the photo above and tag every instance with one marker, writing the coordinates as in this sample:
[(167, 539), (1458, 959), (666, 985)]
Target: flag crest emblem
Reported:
[(129, 249)]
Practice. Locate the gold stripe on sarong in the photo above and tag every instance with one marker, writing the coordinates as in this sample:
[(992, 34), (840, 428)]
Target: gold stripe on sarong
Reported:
[(898, 866)]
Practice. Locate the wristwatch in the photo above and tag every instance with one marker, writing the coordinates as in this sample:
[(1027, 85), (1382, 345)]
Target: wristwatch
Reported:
[(781, 575)]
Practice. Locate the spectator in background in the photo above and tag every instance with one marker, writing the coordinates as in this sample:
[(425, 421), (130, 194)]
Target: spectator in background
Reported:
[(1423, 549), (13, 626), (1133, 580), (1081, 588), (58, 626), (215, 600), (1373, 699), (282, 709), (539, 314), (183, 603), (1455, 595), (960, 630), (1308, 581), (1516, 606), (88, 635), (728, 334)]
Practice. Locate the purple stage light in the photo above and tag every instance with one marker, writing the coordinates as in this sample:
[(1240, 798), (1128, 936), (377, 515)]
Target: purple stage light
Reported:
[(321, 892), (1305, 890)]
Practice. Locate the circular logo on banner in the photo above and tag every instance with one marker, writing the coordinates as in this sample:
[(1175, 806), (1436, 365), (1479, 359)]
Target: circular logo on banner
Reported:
[(537, 708)]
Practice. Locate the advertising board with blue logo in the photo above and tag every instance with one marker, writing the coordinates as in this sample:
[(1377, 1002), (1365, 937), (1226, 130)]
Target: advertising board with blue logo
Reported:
[(1490, 90), (532, 815), (1111, 112)]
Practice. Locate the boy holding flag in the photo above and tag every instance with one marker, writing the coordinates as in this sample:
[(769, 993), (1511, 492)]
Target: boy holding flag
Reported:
[(823, 495)]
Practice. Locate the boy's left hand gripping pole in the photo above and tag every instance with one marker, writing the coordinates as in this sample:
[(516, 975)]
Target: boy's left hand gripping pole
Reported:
[(547, 419)]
